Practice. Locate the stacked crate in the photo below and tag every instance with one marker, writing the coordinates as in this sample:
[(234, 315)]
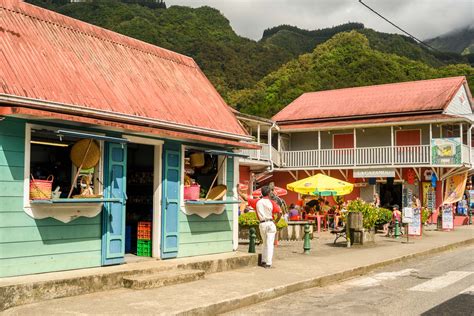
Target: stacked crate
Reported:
[(144, 239)]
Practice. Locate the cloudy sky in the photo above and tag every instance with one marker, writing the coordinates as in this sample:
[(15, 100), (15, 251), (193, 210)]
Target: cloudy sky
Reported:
[(422, 18)]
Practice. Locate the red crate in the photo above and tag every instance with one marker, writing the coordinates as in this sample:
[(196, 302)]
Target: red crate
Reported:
[(144, 226), (144, 230), (144, 234)]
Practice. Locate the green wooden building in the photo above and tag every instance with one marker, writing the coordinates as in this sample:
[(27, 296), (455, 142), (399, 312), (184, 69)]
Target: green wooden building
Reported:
[(144, 111)]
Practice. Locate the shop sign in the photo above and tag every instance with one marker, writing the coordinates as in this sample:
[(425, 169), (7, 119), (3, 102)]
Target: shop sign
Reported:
[(407, 197), (374, 173), (414, 228), (447, 217), (431, 200), (407, 215), (446, 151)]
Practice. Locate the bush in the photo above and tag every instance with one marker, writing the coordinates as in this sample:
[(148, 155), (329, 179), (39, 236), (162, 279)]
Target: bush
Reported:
[(250, 220), (370, 213), (384, 216)]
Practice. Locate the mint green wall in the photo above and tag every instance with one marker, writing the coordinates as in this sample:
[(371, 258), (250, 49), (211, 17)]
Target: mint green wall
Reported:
[(28, 245), (213, 234)]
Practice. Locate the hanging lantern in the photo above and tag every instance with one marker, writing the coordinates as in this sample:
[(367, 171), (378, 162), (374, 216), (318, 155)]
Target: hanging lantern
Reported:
[(411, 176)]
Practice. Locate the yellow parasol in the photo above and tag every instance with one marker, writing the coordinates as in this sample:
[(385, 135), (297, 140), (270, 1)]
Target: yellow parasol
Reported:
[(321, 185)]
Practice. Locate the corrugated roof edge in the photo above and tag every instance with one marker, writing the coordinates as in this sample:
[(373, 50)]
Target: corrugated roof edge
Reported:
[(95, 31), (462, 81)]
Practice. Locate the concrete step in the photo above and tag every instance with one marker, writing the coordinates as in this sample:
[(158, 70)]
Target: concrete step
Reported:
[(163, 278)]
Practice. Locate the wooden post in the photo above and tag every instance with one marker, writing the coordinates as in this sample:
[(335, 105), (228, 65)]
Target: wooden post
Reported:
[(392, 145), (431, 149), (258, 141), (319, 148), (355, 146)]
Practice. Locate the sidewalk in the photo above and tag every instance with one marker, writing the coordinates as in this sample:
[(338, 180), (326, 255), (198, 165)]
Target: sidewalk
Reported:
[(221, 292)]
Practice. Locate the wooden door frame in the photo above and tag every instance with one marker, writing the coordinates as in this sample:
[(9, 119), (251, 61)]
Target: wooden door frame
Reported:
[(157, 188)]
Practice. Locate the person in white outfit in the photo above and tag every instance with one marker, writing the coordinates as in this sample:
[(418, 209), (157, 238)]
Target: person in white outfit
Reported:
[(265, 209)]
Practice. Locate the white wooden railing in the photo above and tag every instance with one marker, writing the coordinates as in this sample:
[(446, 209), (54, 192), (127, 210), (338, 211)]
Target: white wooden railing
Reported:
[(258, 154), (366, 156)]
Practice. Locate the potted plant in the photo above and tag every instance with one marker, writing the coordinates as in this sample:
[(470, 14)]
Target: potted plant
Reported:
[(370, 216)]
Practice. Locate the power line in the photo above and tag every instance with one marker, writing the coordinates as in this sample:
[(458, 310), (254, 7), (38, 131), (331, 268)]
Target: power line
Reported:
[(409, 35)]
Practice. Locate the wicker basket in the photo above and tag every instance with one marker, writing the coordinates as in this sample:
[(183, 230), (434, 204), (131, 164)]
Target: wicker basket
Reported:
[(78, 153), (41, 189), (217, 192)]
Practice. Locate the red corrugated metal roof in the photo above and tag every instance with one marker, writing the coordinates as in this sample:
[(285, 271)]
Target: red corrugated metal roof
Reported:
[(342, 124), (403, 97), (50, 57)]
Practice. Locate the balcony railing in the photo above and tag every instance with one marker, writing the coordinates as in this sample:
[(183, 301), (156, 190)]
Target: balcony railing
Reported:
[(258, 154), (368, 156)]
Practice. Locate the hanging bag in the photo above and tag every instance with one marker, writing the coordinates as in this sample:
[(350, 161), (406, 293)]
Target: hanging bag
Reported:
[(41, 189)]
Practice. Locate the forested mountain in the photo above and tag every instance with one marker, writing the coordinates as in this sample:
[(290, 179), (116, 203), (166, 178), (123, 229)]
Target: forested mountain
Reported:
[(346, 60), (259, 77), (459, 41)]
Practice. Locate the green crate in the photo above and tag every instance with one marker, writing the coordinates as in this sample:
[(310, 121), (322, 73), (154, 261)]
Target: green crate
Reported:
[(143, 248)]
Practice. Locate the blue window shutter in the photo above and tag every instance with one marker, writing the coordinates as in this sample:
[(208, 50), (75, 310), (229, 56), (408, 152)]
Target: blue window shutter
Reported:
[(170, 200), (113, 216)]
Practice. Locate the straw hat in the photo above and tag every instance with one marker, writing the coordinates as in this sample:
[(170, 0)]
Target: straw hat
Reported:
[(78, 153)]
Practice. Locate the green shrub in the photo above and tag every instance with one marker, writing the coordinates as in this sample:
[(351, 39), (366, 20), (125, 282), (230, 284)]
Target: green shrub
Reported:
[(369, 212), (250, 219), (384, 216)]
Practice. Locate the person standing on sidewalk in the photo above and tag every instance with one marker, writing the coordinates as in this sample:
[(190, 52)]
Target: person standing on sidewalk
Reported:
[(265, 216), (265, 210)]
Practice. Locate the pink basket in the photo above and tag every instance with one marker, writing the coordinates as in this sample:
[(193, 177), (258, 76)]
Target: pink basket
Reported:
[(191, 192)]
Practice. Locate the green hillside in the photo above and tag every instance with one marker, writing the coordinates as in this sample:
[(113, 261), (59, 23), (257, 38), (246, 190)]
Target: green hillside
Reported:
[(460, 41), (346, 60)]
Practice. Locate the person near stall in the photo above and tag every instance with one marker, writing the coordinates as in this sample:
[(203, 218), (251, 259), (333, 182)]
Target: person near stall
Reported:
[(268, 213)]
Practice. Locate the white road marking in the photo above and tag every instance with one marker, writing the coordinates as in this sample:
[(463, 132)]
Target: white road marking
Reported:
[(440, 282), (379, 277), (469, 290)]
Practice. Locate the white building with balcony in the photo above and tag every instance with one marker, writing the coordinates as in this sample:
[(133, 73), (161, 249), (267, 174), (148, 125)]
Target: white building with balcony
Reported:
[(383, 138)]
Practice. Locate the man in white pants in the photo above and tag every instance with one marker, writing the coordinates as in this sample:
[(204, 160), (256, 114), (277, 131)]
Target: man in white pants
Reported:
[(265, 209)]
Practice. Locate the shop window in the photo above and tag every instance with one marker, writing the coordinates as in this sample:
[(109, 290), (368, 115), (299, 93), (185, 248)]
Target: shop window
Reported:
[(202, 172), (53, 159)]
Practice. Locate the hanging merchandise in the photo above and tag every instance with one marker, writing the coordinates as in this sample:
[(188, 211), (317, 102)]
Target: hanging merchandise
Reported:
[(85, 154), (197, 160), (434, 179), (411, 176)]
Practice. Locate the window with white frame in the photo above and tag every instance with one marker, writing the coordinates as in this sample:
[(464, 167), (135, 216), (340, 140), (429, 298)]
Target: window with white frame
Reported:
[(49, 158)]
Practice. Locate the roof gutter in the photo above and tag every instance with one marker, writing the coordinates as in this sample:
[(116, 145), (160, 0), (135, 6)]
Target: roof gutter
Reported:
[(355, 117), (131, 119), (343, 127)]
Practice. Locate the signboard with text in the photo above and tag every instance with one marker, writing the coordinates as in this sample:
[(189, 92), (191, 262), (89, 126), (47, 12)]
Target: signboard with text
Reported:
[(414, 228), (374, 173), (447, 217), (446, 151)]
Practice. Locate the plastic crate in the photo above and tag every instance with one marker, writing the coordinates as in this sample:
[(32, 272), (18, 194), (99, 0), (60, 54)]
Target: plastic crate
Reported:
[(144, 226), (144, 234), (144, 230), (143, 248)]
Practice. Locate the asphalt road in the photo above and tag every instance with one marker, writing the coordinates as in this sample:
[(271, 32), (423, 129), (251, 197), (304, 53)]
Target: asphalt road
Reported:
[(439, 285)]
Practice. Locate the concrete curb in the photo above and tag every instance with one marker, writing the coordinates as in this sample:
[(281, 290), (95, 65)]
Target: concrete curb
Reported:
[(28, 293), (271, 293)]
